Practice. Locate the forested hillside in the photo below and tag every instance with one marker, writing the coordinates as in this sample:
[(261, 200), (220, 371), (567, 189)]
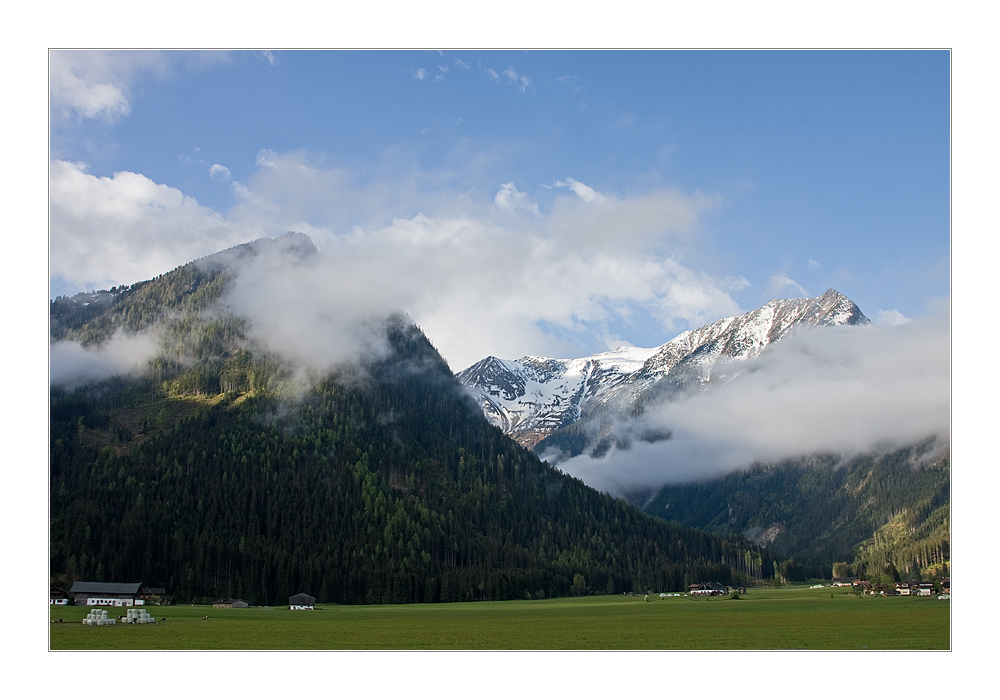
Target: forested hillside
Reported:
[(882, 513), (207, 474)]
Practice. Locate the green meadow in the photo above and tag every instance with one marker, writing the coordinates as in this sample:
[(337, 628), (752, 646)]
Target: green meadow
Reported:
[(785, 618)]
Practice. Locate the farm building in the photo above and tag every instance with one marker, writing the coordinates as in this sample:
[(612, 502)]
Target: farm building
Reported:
[(707, 589), (845, 581), (97, 593), (230, 603), (58, 596), (301, 601), (154, 596)]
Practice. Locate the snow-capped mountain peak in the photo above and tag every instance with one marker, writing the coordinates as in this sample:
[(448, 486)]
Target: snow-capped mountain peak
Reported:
[(531, 398)]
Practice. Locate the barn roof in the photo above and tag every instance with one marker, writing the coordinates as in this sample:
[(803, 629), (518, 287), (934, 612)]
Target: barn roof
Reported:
[(108, 588), (301, 599)]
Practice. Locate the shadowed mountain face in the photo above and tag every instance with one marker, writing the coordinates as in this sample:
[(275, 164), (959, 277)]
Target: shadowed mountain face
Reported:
[(214, 469), (533, 398)]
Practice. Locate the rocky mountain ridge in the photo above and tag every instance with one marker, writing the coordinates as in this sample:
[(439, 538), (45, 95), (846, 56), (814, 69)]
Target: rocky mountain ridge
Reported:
[(533, 397)]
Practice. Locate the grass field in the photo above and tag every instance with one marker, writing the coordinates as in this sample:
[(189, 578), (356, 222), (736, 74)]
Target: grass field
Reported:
[(786, 618)]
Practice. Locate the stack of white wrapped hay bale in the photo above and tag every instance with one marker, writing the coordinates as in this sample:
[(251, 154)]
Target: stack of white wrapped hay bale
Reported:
[(98, 617), (138, 616)]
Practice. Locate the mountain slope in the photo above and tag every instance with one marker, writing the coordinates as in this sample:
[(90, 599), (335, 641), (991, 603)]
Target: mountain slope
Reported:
[(883, 511), (533, 399), (380, 482)]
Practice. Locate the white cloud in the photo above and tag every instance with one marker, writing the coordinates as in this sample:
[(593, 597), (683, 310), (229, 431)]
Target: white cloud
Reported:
[(475, 275), (219, 172), (779, 283), (106, 231), (266, 158), (492, 73), (890, 317), (71, 364), (420, 74), (587, 194), (508, 198), (98, 84), (813, 265), (479, 281), (83, 83), (518, 80), (841, 390)]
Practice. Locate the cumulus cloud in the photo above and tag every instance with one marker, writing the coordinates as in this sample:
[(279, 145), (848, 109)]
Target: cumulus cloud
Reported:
[(841, 390), (97, 84), (71, 364), (106, 231), (508, 198)]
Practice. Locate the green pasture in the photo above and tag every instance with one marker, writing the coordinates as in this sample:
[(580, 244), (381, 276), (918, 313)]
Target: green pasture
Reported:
[(786, 618)]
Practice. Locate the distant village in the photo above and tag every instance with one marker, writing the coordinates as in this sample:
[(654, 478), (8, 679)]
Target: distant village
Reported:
[(93, 593), (134, 594)]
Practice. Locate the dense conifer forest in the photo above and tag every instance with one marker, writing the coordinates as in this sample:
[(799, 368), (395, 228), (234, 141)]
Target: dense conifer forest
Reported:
[(881, 513), (209, 473)]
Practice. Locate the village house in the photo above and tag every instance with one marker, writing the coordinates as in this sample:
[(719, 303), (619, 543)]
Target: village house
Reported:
[(707, 589), (844, 581), (154, 596), (301, 601), (58, 596), (114, 594)]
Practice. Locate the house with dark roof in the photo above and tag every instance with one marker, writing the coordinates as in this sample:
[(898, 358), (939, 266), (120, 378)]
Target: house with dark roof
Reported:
[(98, 593), (709, 588), (58, 596), (154, 596), (301, 601)]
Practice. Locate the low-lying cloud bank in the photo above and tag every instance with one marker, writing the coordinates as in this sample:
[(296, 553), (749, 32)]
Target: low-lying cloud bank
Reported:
[(71, 364), (842, 390)]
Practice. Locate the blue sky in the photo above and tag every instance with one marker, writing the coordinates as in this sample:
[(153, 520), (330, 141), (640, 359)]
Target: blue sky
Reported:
[(549, 203)]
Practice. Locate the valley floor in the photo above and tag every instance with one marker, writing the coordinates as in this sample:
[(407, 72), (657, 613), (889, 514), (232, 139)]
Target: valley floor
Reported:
[(785, 618)]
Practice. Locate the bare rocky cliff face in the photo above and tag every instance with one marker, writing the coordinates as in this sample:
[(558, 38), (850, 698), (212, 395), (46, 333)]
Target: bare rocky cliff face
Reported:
[(533, 397)]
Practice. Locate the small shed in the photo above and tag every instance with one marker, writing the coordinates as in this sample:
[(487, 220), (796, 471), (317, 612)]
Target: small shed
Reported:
[(301, 601)]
